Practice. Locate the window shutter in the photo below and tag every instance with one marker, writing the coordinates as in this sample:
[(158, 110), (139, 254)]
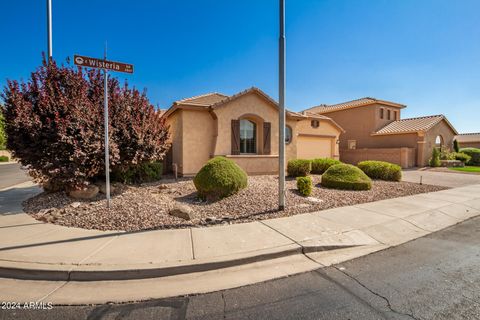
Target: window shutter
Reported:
[(235, 137), (267, 137)]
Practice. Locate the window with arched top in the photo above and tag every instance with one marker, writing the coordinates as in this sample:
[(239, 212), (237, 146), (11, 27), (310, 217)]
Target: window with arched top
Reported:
[(288, 134), (439, 141), (248, 136)]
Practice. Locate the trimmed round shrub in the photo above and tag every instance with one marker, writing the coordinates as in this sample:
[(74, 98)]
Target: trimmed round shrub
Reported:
[(4, 159), (474, 153), (381, 170), (299, 167), (462, 157), (219, 178), (346, 177), (319, 166), (304, 186)]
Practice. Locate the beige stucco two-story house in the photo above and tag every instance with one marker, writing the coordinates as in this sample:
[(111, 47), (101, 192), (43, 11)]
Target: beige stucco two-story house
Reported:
[(244, 128), (374, 130)]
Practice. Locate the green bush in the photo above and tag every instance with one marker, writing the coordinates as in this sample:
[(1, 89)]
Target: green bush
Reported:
[(456, 148), (299, 167), (474, 153), (304, 186), (447, 155), (435, 159), (4, 159), (462, 157), (319, 166), (219, 178), (346, 177), (381, 170), (140, 173)]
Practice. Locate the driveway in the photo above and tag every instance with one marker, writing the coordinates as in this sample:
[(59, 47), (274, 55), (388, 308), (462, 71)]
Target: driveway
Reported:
[(446, 179)]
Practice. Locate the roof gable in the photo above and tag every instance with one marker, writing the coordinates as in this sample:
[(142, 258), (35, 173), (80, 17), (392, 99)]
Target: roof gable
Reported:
[(413, 125), (324, 108), (203, 100)]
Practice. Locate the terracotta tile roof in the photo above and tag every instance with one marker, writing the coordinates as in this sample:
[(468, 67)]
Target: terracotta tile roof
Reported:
[(324, 108), (214, 100), (468, 137), (412, 125), (207, 99)]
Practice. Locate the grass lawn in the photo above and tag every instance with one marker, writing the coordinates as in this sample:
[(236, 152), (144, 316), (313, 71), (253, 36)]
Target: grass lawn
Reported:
[(467, 169)]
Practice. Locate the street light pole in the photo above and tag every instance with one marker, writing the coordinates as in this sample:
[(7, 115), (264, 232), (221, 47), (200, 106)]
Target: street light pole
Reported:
[(281, 105), (49, 29)]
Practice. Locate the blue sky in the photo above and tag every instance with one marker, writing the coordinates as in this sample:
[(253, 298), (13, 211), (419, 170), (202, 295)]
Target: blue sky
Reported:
[(423, 53)]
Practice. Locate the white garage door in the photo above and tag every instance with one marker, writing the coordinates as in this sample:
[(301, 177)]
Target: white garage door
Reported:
[(309, 147)]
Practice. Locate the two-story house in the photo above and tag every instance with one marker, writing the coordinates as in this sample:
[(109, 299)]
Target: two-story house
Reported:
[(374, 130)]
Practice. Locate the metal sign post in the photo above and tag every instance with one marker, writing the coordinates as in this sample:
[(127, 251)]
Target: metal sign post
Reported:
[(281, 113), (105, 65)]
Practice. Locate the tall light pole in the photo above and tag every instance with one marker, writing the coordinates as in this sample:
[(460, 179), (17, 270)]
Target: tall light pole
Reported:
[(281, 105), (49, 29)]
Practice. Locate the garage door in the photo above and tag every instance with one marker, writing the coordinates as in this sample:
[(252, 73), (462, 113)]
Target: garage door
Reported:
[(309, 147)]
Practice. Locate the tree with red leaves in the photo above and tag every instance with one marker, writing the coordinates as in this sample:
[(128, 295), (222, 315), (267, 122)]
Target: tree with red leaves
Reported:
[(54, 124)]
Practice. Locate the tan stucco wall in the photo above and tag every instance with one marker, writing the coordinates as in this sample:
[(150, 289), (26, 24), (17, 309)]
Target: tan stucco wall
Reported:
[(245, 106), (175, 127), (442, 129), (326, 130), (359, 123), (404, 157), (198, 138), (195, 140), (469, 144), (257, 164)]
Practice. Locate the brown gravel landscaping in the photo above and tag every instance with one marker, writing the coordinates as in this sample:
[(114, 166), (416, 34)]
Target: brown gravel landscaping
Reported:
[(147, 206)]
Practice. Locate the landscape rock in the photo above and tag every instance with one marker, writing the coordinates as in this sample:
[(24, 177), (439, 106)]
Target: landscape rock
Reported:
[(90, 192), (76, 204), (162, 186), (102, 187), (182, 211)]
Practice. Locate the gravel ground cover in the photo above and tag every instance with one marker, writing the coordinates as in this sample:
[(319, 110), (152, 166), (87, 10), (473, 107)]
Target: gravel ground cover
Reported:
[(147, 206)]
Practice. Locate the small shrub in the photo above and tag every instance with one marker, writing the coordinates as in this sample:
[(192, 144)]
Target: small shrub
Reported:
[(4, 159), (381, 170), (219, 178), (299, 167), (346, 177), (462, 157), (435, 159), (456, 148), (319, 166), (474, 153), (447, 155), (140, 173), (304, 186)]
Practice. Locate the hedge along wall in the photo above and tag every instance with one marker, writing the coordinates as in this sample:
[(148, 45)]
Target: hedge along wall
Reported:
[(404, 157)]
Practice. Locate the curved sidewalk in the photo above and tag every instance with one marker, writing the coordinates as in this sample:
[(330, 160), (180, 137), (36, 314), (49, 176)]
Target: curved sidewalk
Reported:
[(33, 250)]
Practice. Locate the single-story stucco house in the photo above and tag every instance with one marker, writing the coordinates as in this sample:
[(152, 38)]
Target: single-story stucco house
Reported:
[(244, 128), (468, 140), (374, 130)]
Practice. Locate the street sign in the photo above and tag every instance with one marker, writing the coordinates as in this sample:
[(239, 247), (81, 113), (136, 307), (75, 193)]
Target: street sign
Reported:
[(112, 66), (102, 64)]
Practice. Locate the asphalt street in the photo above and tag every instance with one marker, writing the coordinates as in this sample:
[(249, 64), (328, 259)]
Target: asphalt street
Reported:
[(12, 174), (435, 277)]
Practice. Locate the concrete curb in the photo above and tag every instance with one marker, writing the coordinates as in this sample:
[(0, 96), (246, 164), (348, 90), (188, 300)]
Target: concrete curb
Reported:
[(53, 272)]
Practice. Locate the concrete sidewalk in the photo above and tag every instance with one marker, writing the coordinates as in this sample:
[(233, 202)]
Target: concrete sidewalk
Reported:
[(61, 259)]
